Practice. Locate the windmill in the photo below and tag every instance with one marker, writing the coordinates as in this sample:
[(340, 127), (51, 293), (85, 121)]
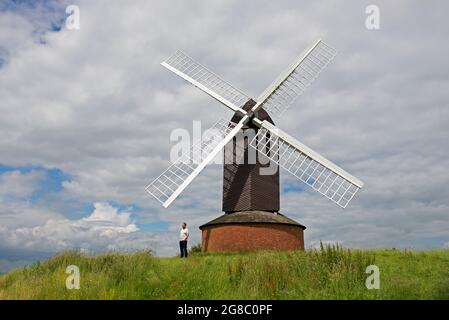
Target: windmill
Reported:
[(250, 198)]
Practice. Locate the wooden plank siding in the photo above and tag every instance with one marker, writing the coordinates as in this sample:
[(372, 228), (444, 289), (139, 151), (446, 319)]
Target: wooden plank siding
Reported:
[(244, 188)]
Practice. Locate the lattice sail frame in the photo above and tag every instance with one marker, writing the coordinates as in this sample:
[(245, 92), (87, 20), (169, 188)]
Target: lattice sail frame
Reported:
[(201, 77), (164, 186), (309, 169), (307, 165), (287, 88)]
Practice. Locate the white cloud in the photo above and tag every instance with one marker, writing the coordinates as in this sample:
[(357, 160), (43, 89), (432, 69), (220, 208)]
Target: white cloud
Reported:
[(35, 227), (104, 213), (104, 229), (15, 183), (15, 34)]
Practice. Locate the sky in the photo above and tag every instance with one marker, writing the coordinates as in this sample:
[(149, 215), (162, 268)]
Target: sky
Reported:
[(86, 117)]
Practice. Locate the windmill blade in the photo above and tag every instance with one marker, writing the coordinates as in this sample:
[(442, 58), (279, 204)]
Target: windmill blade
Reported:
[(293, 82), (198, 75), (307, 165), (178, 176)]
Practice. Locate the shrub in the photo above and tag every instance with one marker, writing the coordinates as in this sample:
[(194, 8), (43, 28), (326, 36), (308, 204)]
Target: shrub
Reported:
[(196, 249)]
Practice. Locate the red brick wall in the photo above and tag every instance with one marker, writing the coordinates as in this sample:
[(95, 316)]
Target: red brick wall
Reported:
[(252, 236)]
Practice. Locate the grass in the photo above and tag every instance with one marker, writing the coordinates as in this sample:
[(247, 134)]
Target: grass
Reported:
[(328, 273)]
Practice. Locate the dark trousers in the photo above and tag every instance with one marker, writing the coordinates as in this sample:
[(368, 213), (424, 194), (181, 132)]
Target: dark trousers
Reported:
[(183, 248)]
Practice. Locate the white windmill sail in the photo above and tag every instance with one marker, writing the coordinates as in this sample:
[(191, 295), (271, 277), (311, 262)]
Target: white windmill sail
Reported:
[(178, 176), (307, 165), (294, 81), (198, 75)]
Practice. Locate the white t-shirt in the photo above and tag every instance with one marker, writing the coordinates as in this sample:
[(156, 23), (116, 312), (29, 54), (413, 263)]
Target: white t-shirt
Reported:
[(184, 234)]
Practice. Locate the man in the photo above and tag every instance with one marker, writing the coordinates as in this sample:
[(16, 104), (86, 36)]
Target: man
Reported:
[(183, 236)]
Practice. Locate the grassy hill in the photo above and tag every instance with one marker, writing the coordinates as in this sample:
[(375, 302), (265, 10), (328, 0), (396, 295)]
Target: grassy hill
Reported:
[(329, 273)]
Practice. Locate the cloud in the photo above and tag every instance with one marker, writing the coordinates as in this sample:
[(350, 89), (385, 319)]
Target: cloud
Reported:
[(105, 213), (15, 183), (23, 24), (29, 228), (104, 229)]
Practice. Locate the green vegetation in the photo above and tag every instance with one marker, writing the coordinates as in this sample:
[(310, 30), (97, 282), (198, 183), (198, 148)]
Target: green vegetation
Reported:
[(329, 273)]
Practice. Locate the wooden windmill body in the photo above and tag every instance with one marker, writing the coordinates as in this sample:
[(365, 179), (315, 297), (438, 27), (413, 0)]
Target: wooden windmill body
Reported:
[(251, 219)]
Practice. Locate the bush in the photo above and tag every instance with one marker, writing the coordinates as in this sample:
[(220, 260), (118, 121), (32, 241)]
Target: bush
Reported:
[(196, 249)]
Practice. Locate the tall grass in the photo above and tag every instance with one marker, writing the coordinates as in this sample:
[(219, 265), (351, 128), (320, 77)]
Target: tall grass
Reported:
[(330, 272)]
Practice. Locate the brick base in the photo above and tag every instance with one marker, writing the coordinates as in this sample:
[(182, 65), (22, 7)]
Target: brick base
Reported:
[(252, 236)]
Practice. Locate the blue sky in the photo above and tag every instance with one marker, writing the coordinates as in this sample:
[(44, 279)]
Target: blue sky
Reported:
[(87, 116)]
